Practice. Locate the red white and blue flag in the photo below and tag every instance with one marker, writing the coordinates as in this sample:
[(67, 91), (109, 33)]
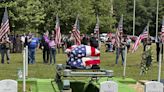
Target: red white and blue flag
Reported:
[(5, 28), (84, 55), (162, 31), (119, 29), (76, 32), (144, 35), (58, 33)]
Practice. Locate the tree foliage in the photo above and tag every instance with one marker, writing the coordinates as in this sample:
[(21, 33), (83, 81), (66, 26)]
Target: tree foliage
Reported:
[(39, 15)]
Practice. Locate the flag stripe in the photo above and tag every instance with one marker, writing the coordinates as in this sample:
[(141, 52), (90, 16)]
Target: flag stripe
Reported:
[(92, 62), (3, 29), (143, 35), (119, 29), (58, 33), (136, 44)]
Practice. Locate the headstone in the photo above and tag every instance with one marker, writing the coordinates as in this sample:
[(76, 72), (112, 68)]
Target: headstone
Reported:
[(8, 86), (109, 86), (153, 86)]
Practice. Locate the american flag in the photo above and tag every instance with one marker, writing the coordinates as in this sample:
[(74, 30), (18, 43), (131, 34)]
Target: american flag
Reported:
[(143, 35), (5, 24), (68, 50), (96, 29), (119, 29), (58, 33), (162, 31), (76, 32), (84, 55)]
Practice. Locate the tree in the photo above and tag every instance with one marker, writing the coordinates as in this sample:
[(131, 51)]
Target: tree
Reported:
[(103, 9), (27, 15)]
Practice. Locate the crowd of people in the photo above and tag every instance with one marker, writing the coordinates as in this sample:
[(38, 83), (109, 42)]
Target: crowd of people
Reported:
[(15, 44), (10, 44)]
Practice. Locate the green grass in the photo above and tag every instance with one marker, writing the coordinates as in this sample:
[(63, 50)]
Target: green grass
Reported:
[(46, 71)]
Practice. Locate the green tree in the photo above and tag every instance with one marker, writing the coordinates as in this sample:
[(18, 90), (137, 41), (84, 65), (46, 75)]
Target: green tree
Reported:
[(27, 15), (103, 9)]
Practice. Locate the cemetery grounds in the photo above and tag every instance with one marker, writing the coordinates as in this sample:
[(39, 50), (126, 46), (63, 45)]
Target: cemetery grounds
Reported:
[(47, 71)]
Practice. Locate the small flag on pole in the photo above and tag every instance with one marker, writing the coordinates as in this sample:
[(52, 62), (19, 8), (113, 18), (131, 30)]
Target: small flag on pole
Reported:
[(143, 35), (58, 33), (76, 32), (5, 24)]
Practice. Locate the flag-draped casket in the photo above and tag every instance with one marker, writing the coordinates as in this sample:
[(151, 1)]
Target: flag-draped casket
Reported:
[(81, 56)]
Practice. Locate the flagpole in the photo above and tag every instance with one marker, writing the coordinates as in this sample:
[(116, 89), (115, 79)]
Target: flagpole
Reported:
[(24, 70), (98, 33), (148, 28), (134, 10), (124, 72), (157, 20), (111, 11), (159, 64), (160, 54)]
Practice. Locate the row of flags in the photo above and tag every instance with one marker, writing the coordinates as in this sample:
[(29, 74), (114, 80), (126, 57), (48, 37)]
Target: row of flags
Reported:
[(143, 35), (5, 28), (75, 31)]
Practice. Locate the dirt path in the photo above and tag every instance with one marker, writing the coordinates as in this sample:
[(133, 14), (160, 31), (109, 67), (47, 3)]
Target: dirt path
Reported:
[(138, 87)]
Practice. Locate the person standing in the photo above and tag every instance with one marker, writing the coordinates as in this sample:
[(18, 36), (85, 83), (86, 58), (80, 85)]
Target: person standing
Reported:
[(45, 47), (33, 43), (62, 45), (69, 40), (121, 48), (5, 49), (109, 45), (146, 43), (158, 47), (52, 46)]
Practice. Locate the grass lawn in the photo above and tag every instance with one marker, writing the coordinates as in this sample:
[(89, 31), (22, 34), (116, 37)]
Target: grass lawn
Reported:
[(40, 70)]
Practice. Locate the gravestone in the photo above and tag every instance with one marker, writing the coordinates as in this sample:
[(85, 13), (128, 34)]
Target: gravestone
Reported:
[(153, 86), (8, 86), (109, 86)]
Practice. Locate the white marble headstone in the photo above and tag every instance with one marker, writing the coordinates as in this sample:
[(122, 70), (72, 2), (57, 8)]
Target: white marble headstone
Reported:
[(108, 86), (8, 86), (153, 86)]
